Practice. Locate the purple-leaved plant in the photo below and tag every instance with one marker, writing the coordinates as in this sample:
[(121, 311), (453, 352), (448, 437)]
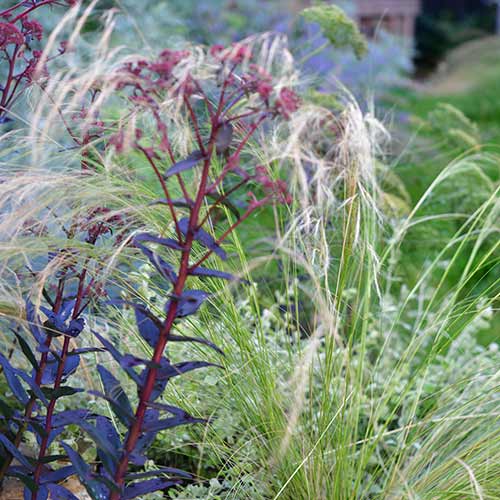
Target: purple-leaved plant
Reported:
[(74, 285), (19, 34), (224, 112), (222, 123)]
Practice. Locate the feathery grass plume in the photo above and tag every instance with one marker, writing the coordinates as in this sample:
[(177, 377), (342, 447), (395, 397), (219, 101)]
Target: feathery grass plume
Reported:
[(362, 406)]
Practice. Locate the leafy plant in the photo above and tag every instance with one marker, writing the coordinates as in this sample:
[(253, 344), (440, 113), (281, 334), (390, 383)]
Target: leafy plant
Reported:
[(225, 110), (242, 99), (24, 63)]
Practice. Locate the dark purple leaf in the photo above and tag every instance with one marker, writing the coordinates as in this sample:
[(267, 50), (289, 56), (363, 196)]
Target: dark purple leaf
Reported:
[(96, 489), (23, 474), (66, 309), (166, 242), (47, 459), (203, 237), (81, 467), (15, 452), (75, 327), (34, 322), (188, 302), (5, 119), (129, 361), (125, 417), (168, 371), (183, 165), (117, 356), (98, 435), (223, 137), (37, 391), (114, 391), (56, 322), (211, 273), (146, 438), (26, 350), (53, 434), (41, 494), (11, 375), (50, 372), (148, 329), (107, 426), (61, 391), (146, 487), (161, 265), (36, 426), (67, 417), (58, 475), (160, 382), (60, 493)]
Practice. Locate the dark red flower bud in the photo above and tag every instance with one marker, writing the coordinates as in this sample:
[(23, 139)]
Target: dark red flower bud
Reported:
[(9, 34), (287, 103)]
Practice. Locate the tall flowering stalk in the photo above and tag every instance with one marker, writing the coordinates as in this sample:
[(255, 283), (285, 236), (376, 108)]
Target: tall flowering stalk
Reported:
[(224, 110), (223, 117)]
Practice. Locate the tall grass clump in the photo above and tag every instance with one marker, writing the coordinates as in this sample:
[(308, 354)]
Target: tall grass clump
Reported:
[(355, 384)]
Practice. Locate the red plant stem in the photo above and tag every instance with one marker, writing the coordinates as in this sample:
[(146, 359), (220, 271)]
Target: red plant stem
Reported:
[(147, 389), (50, 412), (38, 379), (14, 7), (10, 78), (58, 380), (34, 7)]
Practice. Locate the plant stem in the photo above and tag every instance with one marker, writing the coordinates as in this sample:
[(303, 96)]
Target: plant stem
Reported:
[(34, 7), (146, 391), (38, 380), (50, 412)]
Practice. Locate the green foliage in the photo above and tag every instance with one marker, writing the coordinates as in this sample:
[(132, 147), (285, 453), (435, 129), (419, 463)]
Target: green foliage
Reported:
[(448, 123), (338, 28)]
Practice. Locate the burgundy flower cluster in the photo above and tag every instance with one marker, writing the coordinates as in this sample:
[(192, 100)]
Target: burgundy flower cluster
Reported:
[(18, 35)]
